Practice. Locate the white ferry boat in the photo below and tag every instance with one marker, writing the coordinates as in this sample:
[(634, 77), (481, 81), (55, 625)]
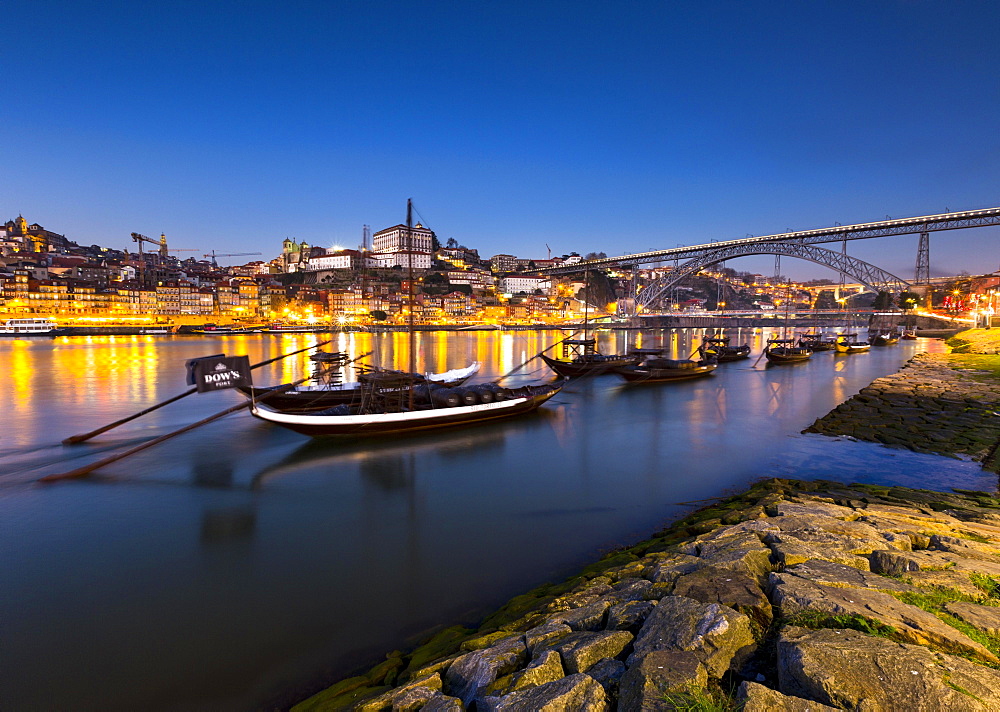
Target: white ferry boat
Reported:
[(28, 327)]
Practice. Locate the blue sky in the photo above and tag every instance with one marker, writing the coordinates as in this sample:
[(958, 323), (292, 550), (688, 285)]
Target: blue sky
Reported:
[(587, 126)]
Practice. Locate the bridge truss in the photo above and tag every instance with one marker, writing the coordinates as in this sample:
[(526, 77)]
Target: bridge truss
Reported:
[(795, 244), (876, 279)]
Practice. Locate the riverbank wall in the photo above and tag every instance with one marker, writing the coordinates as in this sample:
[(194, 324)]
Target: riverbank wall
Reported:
[(792, 596)]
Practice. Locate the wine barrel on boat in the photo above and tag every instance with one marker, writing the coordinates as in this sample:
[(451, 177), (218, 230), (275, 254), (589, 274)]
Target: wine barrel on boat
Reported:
[(467, 395)]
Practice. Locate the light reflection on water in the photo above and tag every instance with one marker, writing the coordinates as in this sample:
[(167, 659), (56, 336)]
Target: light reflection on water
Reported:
[(240, 565)]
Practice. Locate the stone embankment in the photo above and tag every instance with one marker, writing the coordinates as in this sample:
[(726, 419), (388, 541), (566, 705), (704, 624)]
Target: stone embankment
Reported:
[(793, 596), (939, 403)]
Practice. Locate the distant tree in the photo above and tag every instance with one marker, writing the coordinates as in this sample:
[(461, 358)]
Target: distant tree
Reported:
[(594, 256), (435, 242), (883, 300), (825, 300), (452, 243), (531, 264), (379, 315)]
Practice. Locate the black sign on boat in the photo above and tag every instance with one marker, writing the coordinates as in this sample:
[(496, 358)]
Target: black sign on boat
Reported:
[(214, 373)]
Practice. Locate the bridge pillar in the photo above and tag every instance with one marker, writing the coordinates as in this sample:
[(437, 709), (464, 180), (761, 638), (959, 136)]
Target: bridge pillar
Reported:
[(923, 273)]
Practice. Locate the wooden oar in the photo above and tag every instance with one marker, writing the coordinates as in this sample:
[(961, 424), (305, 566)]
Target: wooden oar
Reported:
[(87, 469), (760, 357), (73, 439), (518, 368)]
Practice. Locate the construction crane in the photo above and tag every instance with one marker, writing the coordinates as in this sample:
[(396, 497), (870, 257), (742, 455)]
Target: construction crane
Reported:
[(215, 254), (162, 249)]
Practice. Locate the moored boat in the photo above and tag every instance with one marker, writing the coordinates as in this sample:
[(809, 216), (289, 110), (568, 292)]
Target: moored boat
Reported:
[(658, 370), (581, 358), (909, 335), (321, 396), (785, 351), (279, 328), (816, 342), (393, 403), (885, 339), (721, 350), (847, 344), (29, 327)]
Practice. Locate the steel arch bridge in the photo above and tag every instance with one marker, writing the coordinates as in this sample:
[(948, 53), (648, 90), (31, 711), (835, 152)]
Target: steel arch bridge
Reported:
[(876, 279)]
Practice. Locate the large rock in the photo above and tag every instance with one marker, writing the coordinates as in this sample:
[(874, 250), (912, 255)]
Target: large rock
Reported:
[(589, 617), (443, 703), (544, 668), (632, 589), (955, 580), (813, 508), (757, 698), (716, 634), (965, 547), (667, 569), (475, 671), (730, 588), (834, 574), (790, 552), (646, 683), (609, 673), (984, 618), (580, 693), (900, 563), (534, 637), (850, 670), (581, 650), (742, 552), (629, 616), (794, 595), (411, 696)]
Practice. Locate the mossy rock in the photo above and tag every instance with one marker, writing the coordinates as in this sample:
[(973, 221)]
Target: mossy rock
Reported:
[(340, 696), (484, 641), (620, 559), (386, 672), (441, 645)]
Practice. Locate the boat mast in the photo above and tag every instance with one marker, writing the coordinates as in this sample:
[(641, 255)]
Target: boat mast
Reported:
[(409, 291)]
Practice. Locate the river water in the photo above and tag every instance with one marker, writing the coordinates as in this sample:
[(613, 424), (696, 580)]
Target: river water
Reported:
[(242, 566)]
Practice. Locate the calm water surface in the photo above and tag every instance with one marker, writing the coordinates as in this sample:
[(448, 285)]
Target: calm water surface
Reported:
[(241, 566)]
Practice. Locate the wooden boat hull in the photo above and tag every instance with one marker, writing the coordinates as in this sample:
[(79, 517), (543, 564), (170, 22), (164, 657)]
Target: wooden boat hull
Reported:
[(524, 400), (573, 369), (788, 355), (733, 353), (885, 340), (816, 345), (639, 374), (852, 348), (306, 401)]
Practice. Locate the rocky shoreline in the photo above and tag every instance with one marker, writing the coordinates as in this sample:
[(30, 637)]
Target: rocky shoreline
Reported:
[(792, 596), (947, 404)]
